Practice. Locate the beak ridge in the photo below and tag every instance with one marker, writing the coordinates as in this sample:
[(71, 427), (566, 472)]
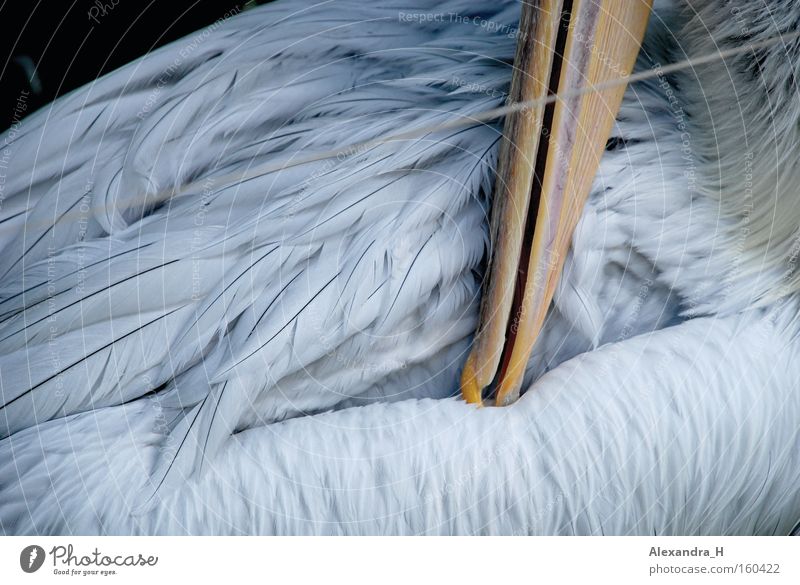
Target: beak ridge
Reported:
[(547, 163)]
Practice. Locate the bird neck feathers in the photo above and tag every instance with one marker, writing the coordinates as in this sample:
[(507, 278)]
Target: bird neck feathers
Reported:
[(744, 131)]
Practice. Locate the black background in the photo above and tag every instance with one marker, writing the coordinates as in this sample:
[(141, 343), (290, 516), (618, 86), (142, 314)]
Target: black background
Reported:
[(69, 49)]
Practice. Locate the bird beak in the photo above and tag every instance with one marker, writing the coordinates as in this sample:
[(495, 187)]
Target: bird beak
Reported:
[(548, 158)]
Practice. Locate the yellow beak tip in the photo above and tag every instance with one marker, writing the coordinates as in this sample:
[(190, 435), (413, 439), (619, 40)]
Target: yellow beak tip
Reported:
[(470, 389)]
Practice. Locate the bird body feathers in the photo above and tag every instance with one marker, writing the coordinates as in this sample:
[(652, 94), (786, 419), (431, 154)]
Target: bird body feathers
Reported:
[(154, 346)]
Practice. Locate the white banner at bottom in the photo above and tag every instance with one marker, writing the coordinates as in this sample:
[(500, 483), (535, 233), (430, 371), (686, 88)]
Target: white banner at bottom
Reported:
[(354, 560)]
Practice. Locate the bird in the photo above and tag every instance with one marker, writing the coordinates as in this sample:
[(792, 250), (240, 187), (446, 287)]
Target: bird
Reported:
[(283, 354)]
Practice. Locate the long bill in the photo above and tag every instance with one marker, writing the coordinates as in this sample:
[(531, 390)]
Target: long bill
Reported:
[(548, 158)]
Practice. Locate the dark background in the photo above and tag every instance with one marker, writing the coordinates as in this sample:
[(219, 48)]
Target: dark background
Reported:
[(68, 49)]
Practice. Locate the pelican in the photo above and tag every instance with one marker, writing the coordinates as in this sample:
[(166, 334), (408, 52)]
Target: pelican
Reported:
[(229, 305)]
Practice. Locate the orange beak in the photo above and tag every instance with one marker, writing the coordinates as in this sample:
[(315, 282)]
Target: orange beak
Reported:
[(547, 163)]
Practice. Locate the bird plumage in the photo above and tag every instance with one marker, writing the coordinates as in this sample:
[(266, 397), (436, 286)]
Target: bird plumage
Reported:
[(256, 288), (600, 445), (137, 335)]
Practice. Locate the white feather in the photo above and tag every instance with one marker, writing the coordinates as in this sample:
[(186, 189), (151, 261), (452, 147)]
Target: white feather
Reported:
[(185, 330)]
